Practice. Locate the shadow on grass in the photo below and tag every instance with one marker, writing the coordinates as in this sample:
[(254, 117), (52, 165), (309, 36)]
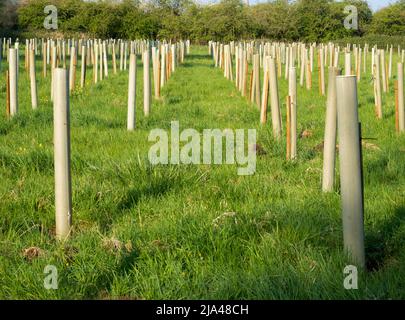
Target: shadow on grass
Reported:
[(198, 56), (132, 197), (85, 120), (127, 263), (193, 60), (150, 187), (22, 121), (385, 169), (130, 200), (196, 64), (389, 114), (385, 242)]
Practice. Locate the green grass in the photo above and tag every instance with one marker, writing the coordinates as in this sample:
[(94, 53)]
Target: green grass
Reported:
[(285, 240)]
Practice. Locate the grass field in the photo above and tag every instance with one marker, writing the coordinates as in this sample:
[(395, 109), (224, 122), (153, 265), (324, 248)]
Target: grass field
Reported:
[(148, 232)]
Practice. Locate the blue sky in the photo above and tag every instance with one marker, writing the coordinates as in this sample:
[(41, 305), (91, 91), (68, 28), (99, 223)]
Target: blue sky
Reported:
[(378, 4)]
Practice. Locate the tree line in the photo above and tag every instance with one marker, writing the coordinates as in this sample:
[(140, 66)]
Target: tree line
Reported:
[(307, 20)]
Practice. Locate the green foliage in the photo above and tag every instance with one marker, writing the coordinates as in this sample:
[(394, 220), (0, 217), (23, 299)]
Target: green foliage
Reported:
[(323, 19), (269, 20), (308, 20), (390, 20), (378, 40)]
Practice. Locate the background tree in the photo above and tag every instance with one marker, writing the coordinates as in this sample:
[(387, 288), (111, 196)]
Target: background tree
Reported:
[(8, 14), (305, 20), (275, 20), (390, 20)]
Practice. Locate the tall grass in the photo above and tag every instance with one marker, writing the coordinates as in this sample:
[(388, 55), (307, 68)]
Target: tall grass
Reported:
[(143, 231)]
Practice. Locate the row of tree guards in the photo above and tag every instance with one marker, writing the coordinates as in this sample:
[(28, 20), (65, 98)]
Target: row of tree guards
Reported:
[(296, 63), (302, 56), (93, 53), (165, 57)]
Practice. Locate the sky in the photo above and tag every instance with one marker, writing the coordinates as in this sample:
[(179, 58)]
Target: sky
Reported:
[(378, 4)]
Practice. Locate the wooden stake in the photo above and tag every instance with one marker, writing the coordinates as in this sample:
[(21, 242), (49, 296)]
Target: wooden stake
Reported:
[(396, 107), (274, 99), (288, 106), (114, 62), (72, 72), (322, 84), (263, 111), (256, 90), (105, 59), (83, 72), (7, 94), (146, 83), (245, 75), (44, 59), (34, 98), (292, 92), (383, 71), (319, 76), (13, 78), (378, 89), (163, 66), (309, 76), (401, 110), (251, 84), (95, 66)]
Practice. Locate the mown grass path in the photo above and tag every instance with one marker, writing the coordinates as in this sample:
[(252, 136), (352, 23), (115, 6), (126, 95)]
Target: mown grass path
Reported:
[(143, 231)]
